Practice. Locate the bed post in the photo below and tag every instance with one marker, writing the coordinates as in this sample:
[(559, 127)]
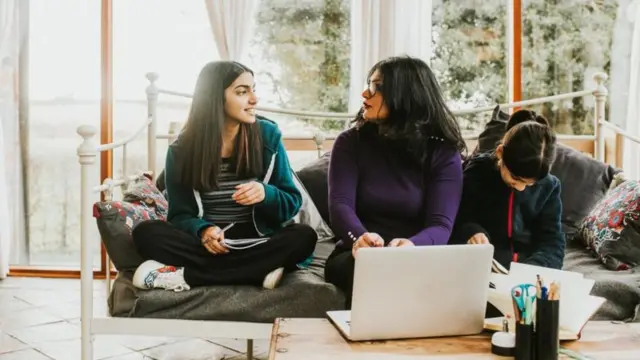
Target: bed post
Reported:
[(319, 138), (249, 349), (152, 107), (600, 95), (87, 152)]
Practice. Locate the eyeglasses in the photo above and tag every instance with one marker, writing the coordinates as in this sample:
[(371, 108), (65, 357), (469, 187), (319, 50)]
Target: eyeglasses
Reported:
[(373, 87)]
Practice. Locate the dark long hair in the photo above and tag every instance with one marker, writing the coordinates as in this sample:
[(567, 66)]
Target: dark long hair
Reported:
[(199, 146), (417, 110), (529, 145)]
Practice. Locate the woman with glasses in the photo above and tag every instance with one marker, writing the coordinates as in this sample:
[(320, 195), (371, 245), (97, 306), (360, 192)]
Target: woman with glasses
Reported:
[(395, 178)]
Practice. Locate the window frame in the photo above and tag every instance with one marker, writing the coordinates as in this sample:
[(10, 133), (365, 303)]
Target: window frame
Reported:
[(514, 85)]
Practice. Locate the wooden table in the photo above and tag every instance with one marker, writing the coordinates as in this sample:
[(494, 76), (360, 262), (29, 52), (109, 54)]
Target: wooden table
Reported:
[(312, 339)]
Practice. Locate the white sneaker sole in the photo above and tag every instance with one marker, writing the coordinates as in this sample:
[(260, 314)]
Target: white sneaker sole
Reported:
[(142, 271), (273, 278)]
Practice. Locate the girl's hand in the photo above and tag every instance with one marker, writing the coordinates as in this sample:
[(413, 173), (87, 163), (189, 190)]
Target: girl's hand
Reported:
[(211, 240), (478, 238), (249, 193)]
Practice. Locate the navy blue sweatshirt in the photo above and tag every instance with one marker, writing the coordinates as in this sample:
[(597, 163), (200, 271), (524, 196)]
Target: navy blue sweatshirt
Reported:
[(522, 225)]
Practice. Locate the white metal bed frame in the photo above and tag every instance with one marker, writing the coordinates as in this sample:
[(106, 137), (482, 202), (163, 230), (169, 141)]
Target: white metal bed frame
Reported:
[(89, 149)]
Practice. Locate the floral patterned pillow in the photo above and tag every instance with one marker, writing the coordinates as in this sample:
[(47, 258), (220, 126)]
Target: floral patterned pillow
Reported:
[(145, 191), (116, 219), (612, 228)]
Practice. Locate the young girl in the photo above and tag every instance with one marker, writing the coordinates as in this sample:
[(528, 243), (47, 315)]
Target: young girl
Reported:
[(227, 170), (510, 200), (395, 179)]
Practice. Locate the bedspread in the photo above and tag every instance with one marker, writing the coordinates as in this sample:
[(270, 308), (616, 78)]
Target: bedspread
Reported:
[(303, 293)]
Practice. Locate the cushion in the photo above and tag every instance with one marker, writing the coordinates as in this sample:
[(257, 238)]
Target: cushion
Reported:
[(303, 293), (493, 131), (116, 219), (584, 180), (314, 178), (143, 190), (309, 214), (612, 229)]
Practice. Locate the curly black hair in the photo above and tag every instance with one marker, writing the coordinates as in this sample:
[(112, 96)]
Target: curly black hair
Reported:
[(418, 113)]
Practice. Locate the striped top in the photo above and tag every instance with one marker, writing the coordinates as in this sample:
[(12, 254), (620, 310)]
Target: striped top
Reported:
[(217, 206)]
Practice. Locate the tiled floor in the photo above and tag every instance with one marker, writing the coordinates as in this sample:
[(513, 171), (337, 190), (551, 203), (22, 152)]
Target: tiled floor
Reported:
[(40, 320)]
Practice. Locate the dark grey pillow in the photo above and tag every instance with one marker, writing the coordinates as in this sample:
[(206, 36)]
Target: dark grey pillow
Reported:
[(584, 180), (116, 219), (493, 131), (314, 179)]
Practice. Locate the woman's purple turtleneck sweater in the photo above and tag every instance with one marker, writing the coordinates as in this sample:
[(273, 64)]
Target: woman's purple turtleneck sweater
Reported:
[(375, 187)]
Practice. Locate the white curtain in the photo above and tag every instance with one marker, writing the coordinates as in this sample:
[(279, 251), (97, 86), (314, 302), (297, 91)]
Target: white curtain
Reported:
[(232, 23), (9, 135), (619, 73), (631, 150), (384, 28)]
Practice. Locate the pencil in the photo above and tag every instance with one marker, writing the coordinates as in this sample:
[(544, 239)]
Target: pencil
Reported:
[(554, 291), (516, 312), (228, 227)]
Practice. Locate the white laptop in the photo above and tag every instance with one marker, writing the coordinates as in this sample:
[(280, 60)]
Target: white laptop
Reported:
[(414, 292)]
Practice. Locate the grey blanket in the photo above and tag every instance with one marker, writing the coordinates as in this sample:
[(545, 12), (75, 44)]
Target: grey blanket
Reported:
[(303, 293), (620, 288)]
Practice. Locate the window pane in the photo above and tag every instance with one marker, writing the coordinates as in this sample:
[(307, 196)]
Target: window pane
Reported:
[(469, 55), (143, 43), (564, 43), (300, 54), (64, 91)]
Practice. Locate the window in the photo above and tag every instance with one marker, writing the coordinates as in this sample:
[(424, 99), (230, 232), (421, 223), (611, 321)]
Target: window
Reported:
[(300, 54), (567, 42), (469, 55), (64, 92), (142, 43)]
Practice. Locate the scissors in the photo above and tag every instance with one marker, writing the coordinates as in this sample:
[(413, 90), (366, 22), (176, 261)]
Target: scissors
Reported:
[(523, 295)]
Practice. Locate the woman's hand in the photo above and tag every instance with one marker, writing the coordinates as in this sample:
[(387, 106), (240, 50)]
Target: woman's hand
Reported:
[(400, 242), (367, 240), (211, 240), (249, 193), (478, 238)]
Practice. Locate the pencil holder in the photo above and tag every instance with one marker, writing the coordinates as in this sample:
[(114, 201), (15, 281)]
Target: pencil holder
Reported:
[(547, 340), (524, 342)]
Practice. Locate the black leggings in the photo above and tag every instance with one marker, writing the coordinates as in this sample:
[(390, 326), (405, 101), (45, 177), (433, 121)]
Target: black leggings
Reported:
[(160, 241), (339, 270)]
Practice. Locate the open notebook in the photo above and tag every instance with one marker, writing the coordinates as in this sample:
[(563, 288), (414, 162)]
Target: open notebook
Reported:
[(576, 305), (496, 267)]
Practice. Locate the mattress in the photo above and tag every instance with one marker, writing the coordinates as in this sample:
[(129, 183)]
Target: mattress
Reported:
[(302, 293)]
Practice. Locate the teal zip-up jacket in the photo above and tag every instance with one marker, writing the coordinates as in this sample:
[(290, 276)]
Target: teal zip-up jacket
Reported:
[(282, 199)]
